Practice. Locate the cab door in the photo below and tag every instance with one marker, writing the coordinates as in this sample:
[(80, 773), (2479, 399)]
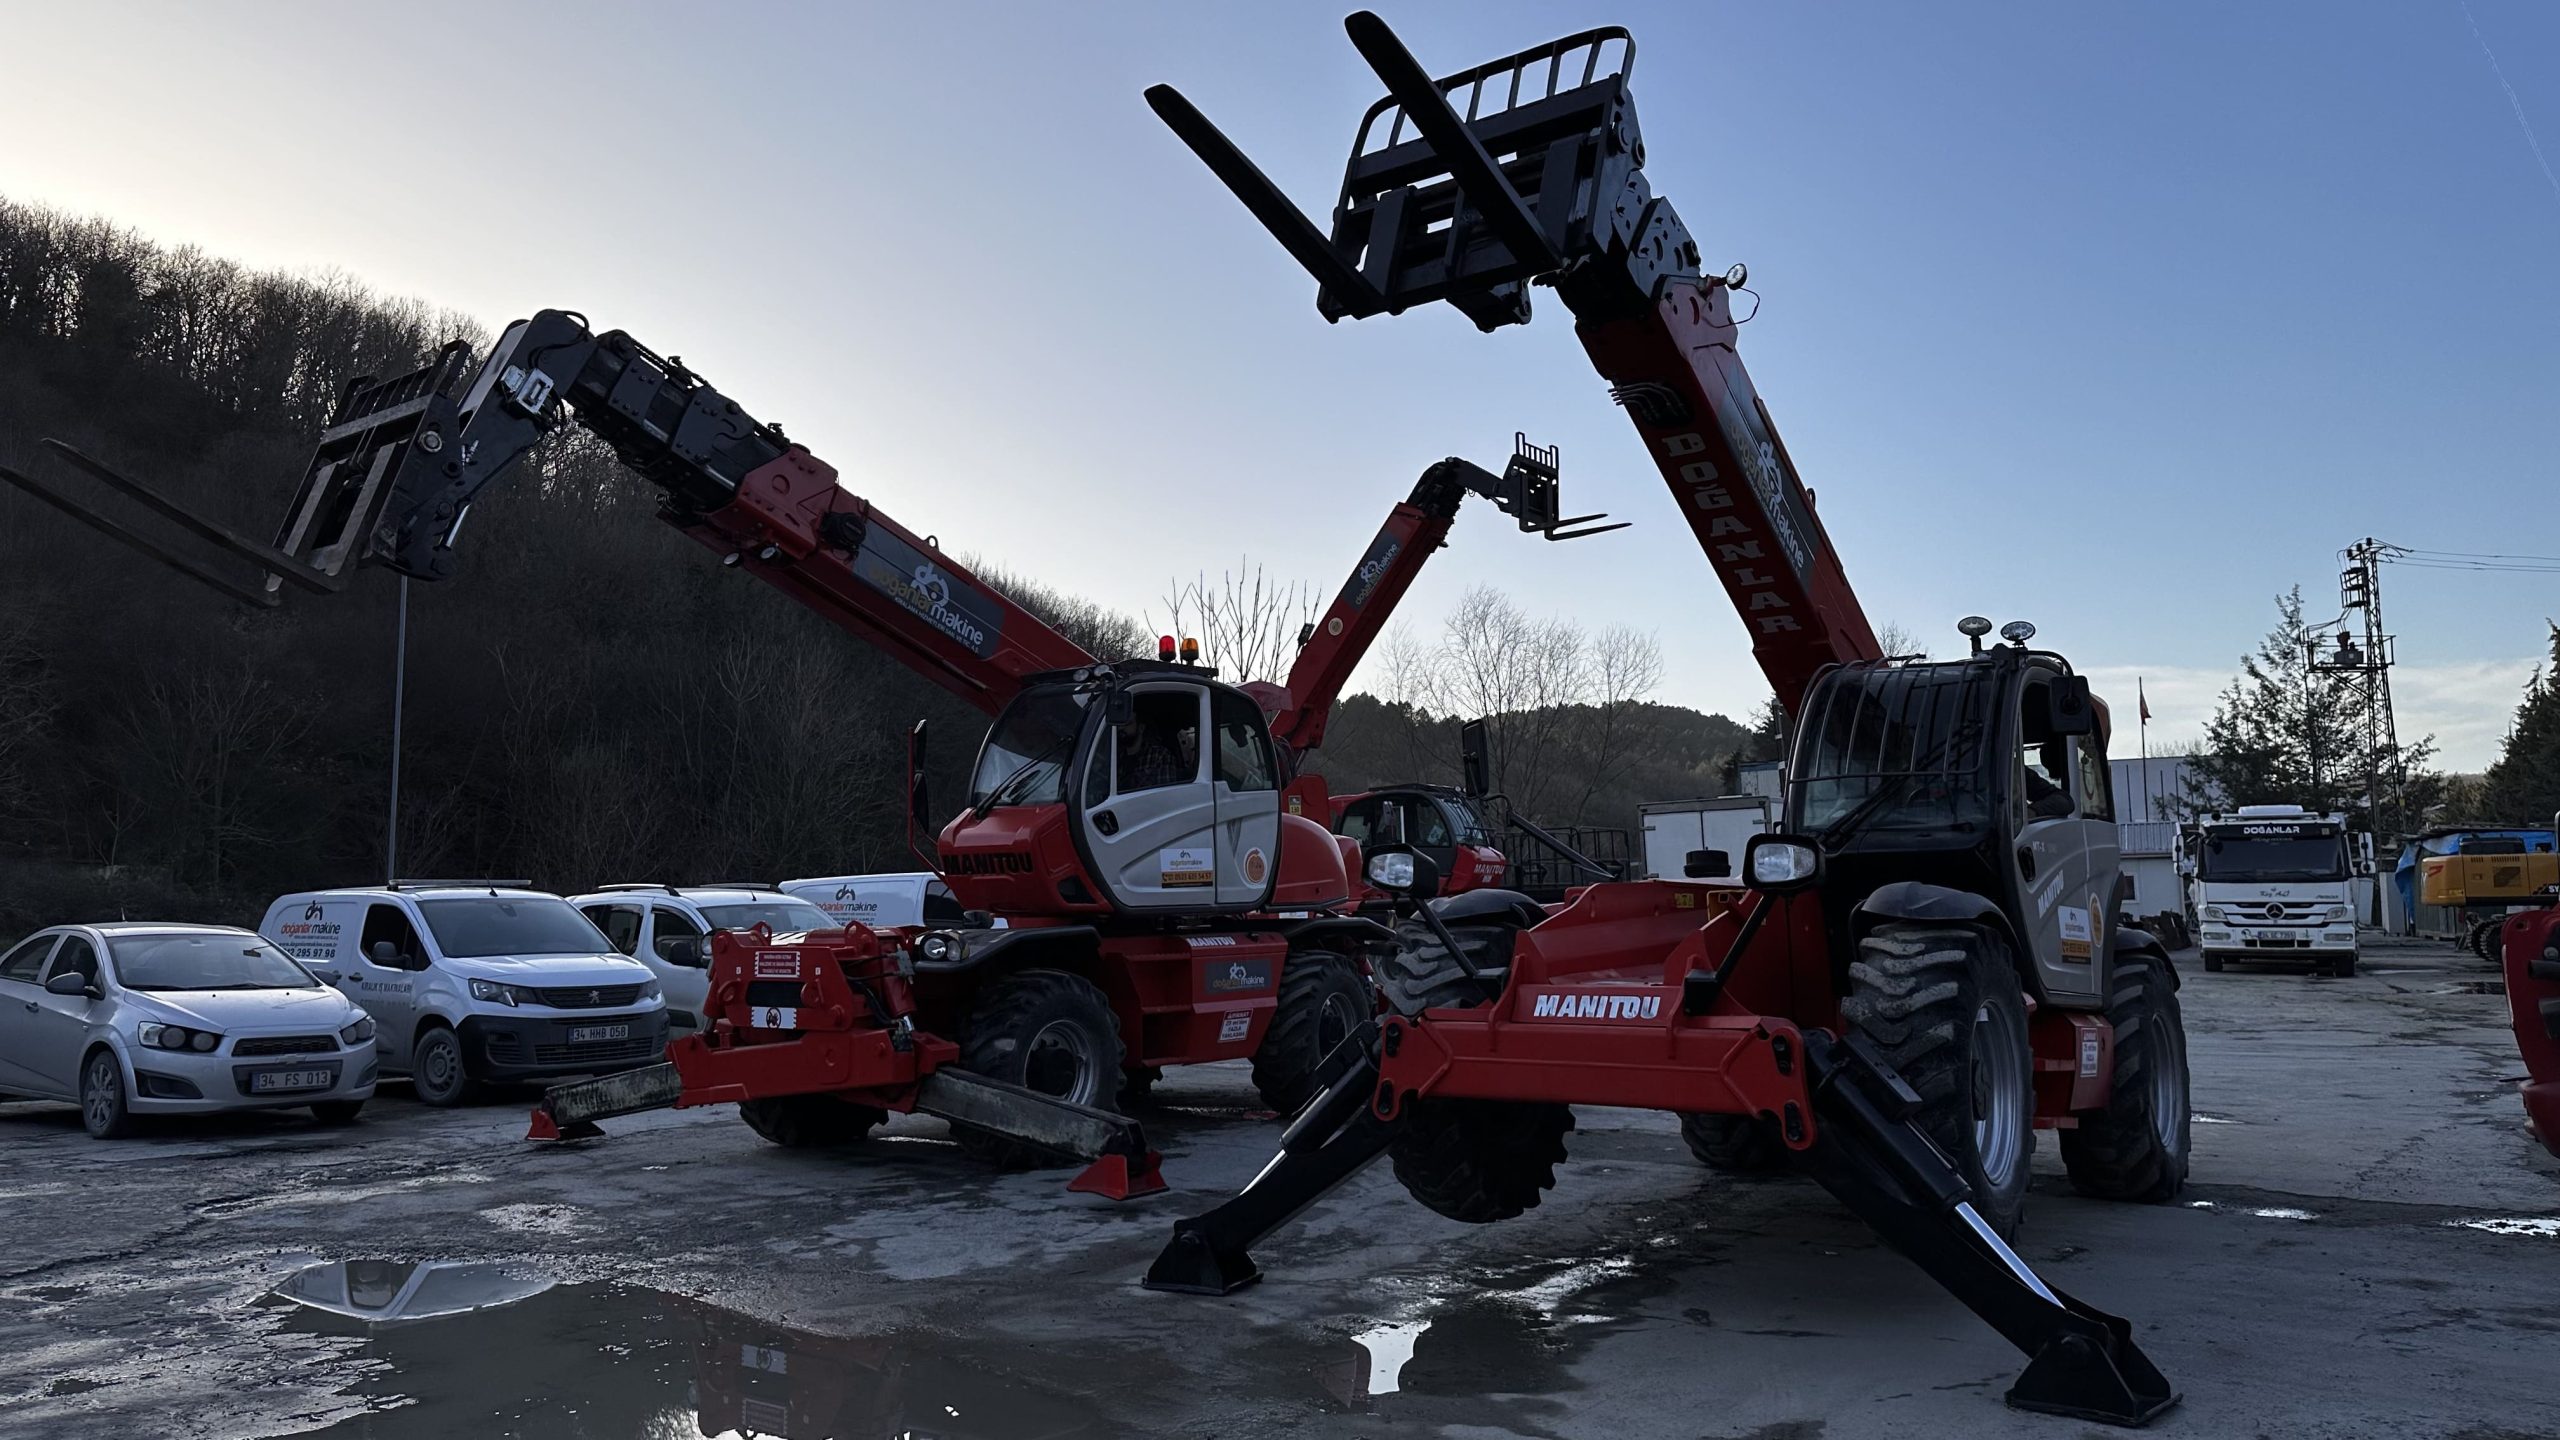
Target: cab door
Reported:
[(1152, 831), (2066, 905), (1246, 782)]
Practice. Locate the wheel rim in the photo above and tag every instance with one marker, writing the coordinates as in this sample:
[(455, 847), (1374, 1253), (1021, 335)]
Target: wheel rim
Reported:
[(1334, 1023), (2000, 1116), (1061, 1062), (2168, 1089), (98, 1107), (435, 1066)]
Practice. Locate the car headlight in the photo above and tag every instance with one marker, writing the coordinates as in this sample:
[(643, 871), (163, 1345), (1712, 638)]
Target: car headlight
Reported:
[(2339, 914), (649, 990), (357, 1032), (176, 1037), (936, 947), (2214, 913), (493, 991)]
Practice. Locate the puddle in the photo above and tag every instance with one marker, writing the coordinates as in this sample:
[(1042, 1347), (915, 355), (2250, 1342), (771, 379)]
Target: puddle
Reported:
[(490, 1350), (2202, 1118), (2261, 1212), (1512, 1331), (1389, 1347), (2545, 1226)]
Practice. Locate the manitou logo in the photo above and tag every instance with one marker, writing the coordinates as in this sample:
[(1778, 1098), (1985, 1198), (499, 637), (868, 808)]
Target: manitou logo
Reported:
[(986, 862), (1596, 1007)]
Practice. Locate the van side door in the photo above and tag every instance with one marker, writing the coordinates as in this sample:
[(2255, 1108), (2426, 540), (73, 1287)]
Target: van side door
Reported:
[(388, 989)]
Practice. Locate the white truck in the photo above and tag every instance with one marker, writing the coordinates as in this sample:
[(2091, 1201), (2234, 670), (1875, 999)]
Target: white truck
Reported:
[(2275, 883), (1674, 828)]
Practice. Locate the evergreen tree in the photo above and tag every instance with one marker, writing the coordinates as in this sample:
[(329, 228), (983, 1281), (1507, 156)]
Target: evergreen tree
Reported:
[(2525, 783)]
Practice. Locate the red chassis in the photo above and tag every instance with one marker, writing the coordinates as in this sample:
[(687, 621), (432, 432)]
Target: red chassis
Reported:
[(2531, 946)]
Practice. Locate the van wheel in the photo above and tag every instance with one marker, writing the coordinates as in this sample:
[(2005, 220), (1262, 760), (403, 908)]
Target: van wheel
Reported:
[(1044, 1030), (102, 1106), (436, 1069)]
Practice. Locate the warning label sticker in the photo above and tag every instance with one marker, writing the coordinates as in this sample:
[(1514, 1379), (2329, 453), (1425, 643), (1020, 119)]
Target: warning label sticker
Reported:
[(1235, 1027), (2079, 927), (777, 964)]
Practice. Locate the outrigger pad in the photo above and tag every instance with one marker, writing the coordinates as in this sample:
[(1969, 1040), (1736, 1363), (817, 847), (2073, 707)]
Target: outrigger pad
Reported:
[(1192, 1264), (2073, 1375), (1116, 1177)]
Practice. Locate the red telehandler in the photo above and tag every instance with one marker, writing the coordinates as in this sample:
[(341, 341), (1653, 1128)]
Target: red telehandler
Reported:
[(1927, 965), (1189, 914)]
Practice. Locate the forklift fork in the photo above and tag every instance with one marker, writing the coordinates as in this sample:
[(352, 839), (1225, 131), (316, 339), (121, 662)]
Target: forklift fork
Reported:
[(2082, 1362)]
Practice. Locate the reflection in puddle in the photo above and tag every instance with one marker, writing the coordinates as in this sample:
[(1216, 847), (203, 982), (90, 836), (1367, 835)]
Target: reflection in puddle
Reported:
[(610, 1361), (2542, 1225), (1389, 1347), (2279, 1212), (2202, 1118), (1498, 1333)]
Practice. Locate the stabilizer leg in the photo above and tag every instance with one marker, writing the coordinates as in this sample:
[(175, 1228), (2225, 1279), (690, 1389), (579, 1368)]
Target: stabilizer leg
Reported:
[(2081, 1361), (1329, 1142), (570, 1111)]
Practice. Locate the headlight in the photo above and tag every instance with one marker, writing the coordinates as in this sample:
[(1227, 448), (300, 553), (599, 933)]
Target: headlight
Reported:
[(494, 992), (648, 989), (176, 1037), (358, 1032), (2214, 912), (936, 948), (1781, 864), (2339, 914)]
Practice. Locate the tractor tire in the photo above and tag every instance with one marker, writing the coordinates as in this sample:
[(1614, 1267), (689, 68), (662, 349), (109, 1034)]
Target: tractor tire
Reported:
[(1324, 996), (1479, 1161), (2137, 1147), (1943, 1004), (1421, 974), (809, 1122), (1045, 1030), (1734, 1144)]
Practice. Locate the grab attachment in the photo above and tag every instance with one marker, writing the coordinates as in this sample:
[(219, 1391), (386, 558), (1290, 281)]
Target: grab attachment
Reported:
[(2081, 1361)]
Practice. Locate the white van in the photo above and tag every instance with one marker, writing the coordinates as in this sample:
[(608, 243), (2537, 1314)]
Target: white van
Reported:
[(475, 982), (882, 902), (669, 930)]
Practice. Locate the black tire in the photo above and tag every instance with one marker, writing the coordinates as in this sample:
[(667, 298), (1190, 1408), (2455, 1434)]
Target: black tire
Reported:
[(1944, 1005), (1324, 996), (2481, 938), (808, 1122), (2212, 963), (1734, 1144), (2137, 1148), (1048, 1031), (1138, 1087), (438, 1070), (1479, 1160), (337, 1112), (103, 1111), (1419, 973)]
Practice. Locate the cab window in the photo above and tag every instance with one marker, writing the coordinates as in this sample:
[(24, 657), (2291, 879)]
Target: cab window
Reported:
[(76, 957), (2097, 800), (25, 962), (673, 928), (1371, 823), (1428, 827), (620, 924), (1244, 743), (2044, 759), (1160, 745), (390, 922)]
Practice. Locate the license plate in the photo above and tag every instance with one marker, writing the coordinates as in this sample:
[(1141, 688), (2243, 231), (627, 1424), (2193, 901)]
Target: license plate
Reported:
[(270, 1080), (581, 1034), (2280, 937)]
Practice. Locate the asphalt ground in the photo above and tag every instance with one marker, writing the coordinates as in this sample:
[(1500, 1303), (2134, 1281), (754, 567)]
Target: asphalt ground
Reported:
[(2370, 1246)]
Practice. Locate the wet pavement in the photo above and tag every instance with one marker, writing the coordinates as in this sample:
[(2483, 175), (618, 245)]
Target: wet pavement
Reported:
[(2370, 1247)]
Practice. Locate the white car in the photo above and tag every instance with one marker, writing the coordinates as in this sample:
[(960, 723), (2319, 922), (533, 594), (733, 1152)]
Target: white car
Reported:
[(913, 898), (132, 1019), (669, 930), (474, 982)]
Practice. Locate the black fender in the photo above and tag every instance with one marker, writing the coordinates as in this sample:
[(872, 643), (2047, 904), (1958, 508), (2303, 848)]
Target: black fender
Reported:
[(2134, 939), (1489, 907), (993, 952), (1351, 931), (1918, 900)]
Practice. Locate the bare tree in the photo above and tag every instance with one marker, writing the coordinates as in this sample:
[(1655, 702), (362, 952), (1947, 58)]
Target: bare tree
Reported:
[(1899, 642), (202, 740), (1247, 624), (1625, 666), (1521, 676)]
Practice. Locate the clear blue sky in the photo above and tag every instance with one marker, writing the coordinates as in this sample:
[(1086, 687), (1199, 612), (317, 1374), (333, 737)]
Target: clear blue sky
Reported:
[(2120, 318)]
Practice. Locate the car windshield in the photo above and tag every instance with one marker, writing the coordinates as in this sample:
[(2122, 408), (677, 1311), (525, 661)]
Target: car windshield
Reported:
[(203, 960), (782, 917), (2272, 858), (511, 925), (1027, 751)]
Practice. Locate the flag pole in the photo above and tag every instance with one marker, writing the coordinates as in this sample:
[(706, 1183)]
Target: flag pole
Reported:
[(2142, 706)]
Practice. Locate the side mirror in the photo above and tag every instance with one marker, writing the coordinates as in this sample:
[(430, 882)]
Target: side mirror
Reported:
[(385, 954), (1707, 865), (1404, 873), (1776, 864), (1120, 708), (2068, 708), (684, 952), (72, 982)]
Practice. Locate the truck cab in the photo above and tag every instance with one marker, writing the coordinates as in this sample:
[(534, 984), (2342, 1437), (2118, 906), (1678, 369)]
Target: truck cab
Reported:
[(2273, 883)]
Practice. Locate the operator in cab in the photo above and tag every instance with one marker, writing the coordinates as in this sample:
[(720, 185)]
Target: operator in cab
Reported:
[(1149, 758)]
